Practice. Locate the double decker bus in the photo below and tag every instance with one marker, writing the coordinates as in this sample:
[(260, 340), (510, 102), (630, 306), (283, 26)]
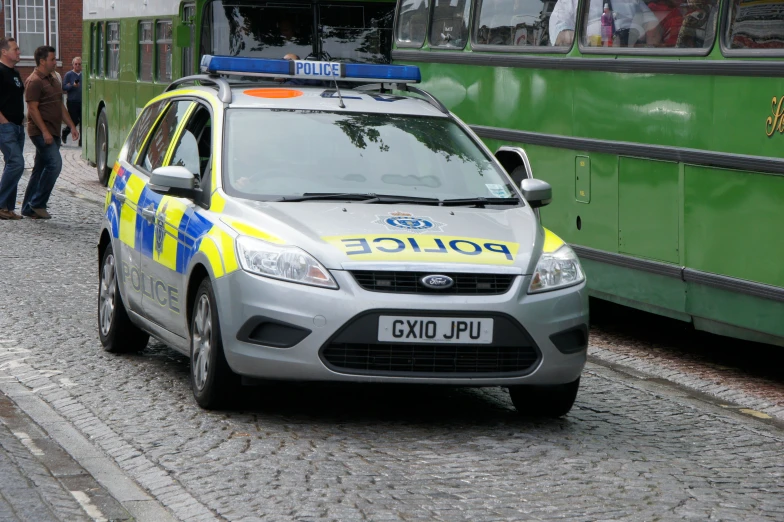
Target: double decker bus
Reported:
[(659, 124), (134, 48)]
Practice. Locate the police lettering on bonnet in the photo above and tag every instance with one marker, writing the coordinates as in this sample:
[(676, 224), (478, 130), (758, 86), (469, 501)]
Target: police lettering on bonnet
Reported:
[(380, 256)]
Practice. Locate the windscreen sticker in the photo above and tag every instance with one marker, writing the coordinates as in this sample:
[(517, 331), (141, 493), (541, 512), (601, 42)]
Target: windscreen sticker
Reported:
[(397, 221), (497, 191), (430, 248)]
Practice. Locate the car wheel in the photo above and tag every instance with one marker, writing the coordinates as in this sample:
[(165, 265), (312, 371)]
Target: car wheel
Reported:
[(102, 148), (115, 329), (544, 401), (211, 378)]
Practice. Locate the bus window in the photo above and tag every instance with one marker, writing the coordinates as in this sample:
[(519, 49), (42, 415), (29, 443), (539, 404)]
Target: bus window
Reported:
[(358, 33), (651, 24), (141, 129), (113, 38), (412, 23), (101, 51), (516, 23), (188, 18), (755, 25), (93, 44), (145, 51), (163, 44), (450, 23), (259, 29)]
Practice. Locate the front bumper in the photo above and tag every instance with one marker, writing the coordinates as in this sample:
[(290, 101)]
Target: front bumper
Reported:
[(301, 325)]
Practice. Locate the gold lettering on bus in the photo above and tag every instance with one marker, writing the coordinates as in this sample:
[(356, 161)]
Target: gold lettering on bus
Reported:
[(776, 122)]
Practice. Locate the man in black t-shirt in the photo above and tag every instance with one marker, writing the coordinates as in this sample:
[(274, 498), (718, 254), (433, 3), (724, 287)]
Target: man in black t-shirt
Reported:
[(11, 131)]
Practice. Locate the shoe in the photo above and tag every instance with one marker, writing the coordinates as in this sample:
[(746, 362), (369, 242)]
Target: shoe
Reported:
[(9, 214), (38, 213)]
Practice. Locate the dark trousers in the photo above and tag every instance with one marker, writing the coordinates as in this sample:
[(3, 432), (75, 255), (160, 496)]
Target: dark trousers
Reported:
[(11, 144), (75, 112), (46, 169)]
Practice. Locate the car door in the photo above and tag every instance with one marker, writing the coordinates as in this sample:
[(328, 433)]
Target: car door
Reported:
[(127, 185), (165, 220)]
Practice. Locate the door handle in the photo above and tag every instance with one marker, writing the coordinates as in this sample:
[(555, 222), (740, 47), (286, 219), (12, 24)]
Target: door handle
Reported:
[(149, 214), (120, 196)]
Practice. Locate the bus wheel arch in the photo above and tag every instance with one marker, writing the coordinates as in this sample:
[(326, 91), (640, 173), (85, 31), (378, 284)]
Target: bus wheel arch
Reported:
[(102, 145), (515, 162)]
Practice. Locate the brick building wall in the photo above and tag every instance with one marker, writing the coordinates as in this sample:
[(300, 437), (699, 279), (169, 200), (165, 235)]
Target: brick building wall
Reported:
[(69, 28)]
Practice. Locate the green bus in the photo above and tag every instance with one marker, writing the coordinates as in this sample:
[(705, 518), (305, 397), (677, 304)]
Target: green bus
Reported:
[(133, 49), (659, 125)]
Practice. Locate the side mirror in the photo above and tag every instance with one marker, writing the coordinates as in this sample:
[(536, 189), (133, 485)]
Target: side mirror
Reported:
[(536, 192), (174, 181)]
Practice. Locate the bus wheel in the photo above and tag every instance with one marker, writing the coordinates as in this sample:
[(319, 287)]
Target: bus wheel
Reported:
[(102, 148)]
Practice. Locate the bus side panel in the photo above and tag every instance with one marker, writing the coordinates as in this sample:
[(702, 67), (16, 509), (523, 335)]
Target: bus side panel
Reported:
[(743, 106), (733, 223), (526, 99)]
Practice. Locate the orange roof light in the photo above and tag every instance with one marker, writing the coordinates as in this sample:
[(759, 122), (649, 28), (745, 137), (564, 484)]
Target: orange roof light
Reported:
[(273, 93)]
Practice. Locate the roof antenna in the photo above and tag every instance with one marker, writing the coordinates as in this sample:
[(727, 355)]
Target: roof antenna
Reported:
[(342, 105)]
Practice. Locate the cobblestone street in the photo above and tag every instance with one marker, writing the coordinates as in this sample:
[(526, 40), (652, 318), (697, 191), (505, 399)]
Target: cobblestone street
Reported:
[(634, 447)]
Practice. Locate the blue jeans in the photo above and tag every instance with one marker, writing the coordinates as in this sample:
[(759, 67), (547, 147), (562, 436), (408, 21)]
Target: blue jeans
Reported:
[(11, 144), (46, 169)]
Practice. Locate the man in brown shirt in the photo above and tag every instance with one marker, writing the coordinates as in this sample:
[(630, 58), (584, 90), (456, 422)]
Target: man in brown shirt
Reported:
[(45, 114)]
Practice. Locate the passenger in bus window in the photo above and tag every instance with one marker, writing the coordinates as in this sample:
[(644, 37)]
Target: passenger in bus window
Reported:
[(635, 24), (670, 19)]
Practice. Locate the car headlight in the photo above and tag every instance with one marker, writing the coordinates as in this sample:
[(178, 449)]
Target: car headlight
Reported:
[(557, 269), (282, 262)]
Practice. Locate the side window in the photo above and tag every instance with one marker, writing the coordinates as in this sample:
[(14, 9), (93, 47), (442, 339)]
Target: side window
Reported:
[(163, 44), (412, 22), (514, 24), (101, 51), (654, 24), (450, 23), (195, 146), (93, 42), (142, 129), (145, 51), (113, 37), (756, 26), (189, 19), (155, 153)]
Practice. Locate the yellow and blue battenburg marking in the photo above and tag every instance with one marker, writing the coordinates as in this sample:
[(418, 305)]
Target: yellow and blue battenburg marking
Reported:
[(425, 248), (176, 233)]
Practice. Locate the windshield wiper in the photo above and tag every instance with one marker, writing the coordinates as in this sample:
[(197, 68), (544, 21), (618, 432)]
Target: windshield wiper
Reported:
[(464, 202), (361, 198)]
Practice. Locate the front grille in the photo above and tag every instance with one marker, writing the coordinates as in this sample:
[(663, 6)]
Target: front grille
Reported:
[(430, 358), (408, 282)]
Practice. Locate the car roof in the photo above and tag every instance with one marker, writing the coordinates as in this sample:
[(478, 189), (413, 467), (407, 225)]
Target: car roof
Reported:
[(260, 96)]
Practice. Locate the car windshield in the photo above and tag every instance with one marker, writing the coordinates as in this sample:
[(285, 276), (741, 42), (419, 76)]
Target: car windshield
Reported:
[(272, 154)]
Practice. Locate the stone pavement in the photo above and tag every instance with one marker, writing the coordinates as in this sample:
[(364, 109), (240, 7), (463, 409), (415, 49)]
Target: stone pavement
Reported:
[(633, 448)]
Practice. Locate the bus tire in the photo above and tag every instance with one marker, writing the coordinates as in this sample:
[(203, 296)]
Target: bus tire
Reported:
[(102, 148), (551, 401)]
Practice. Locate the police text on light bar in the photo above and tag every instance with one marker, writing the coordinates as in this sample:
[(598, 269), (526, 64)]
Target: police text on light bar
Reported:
[(357, 72)]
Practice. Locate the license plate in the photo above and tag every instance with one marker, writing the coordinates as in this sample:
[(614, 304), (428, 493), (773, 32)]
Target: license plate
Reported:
[(455, 330)]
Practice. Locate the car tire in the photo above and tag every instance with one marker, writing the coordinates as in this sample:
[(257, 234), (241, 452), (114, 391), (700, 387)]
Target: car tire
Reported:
[(544, 401), (115, 329), (212, 381), (102, 148)]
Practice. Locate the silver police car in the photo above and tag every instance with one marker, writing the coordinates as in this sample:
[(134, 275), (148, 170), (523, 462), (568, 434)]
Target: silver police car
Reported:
[(300, 229)]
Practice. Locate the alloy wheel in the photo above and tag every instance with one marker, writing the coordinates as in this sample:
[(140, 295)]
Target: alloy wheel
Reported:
[(201, 343), (107, 294)]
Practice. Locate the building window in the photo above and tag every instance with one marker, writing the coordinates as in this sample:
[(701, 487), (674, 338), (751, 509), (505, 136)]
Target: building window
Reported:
[(189, 19), (113, 38), (27, 20), (163, 42), (145, 51)]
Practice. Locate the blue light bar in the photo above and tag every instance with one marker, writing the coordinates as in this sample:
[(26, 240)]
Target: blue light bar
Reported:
[(304, 69)]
